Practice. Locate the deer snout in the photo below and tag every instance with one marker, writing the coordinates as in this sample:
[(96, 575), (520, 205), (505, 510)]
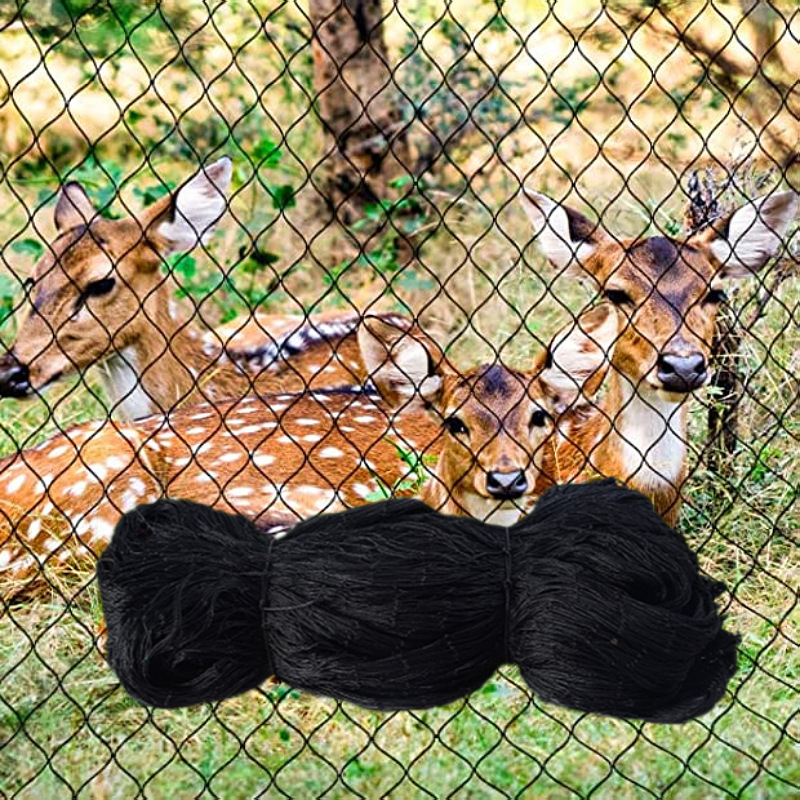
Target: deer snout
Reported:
[(507, 485), (15, 378), (682, 373)]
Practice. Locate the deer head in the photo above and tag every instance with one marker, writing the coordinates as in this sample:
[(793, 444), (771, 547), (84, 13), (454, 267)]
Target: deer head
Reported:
[(98, 288), (669, 290), (495, 420)]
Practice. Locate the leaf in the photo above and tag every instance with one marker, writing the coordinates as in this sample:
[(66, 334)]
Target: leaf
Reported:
[(264, 257), (151, 194), (283, 197), (267, 153), (28, 247)]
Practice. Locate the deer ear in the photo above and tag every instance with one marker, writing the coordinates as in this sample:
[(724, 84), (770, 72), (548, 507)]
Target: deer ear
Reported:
[(578, 359), (179, 222), (73, 207), (745, 241), (404, 365), (564, 236)]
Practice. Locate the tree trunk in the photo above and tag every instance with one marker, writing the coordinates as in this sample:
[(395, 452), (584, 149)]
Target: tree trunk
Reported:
[(359, 106)]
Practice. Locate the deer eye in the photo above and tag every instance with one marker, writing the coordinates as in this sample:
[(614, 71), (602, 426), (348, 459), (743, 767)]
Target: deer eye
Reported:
[(716, 297), (455, 426), (99, 288), (539, 418), (617, 296)]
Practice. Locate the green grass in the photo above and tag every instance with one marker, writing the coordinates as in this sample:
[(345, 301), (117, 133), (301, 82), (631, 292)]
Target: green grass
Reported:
[(66, 724)]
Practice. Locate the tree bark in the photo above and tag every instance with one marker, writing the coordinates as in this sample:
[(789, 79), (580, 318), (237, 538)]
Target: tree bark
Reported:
[(360, 108)]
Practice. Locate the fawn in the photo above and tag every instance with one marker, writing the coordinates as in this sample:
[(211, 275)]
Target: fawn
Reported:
[(669, 292)]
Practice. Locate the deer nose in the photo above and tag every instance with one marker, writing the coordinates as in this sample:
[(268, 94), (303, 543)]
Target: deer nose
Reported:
[(507, 485), (15, 380), (682, 373)]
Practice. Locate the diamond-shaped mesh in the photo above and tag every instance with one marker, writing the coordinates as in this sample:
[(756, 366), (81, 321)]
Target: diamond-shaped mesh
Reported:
[(354, 170)]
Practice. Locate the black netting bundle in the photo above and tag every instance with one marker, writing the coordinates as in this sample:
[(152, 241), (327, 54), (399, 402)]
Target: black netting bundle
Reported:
[(396, 606)]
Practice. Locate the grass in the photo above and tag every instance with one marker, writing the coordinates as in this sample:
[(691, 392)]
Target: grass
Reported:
[(66, 727), (64, 722)]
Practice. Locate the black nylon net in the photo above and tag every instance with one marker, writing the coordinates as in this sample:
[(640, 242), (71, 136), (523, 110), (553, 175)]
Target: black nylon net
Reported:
[(354, 160)]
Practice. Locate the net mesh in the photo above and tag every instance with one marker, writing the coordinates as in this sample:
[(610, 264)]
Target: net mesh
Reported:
[(205, 203)]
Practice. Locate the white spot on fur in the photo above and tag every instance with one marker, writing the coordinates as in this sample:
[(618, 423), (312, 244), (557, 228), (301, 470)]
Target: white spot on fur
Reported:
[(77, 489), (34, 529), (15, 484), (307, 489), (331, 452), (240, 491), (97, 472), (59, 451), (365, 419), (138, 485), (263, 459), (252, 429), (129, 500), (227, 458), (101, 531), (115, 462), (362, 490), (311, 437), (306, 421)]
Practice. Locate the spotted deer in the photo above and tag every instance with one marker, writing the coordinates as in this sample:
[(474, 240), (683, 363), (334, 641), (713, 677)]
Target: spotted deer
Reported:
[(669, 292), (97, 297), (285, 457), (497, 421)]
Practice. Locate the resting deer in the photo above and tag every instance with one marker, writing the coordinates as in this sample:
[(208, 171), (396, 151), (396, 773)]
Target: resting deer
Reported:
[(98, 297), (669, 292), (497, 420), (286, 457)]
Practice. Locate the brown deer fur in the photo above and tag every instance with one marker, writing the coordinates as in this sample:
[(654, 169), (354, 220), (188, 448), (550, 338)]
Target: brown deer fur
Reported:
[(98, 297), (668, 292)]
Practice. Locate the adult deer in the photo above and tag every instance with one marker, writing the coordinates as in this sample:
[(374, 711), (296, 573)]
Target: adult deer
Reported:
[(669, 292), (286, 457), (98, 297)]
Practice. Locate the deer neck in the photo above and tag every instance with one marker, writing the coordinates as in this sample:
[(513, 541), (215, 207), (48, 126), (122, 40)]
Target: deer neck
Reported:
[(164, 363), (646, 445)]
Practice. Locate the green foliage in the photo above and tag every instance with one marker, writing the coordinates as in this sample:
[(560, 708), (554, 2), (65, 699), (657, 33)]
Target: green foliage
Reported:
[(394, 225), (28, 247), (9, 288), (573, 99), (88, 30), (417, 470), (102, 179)]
